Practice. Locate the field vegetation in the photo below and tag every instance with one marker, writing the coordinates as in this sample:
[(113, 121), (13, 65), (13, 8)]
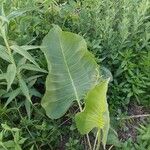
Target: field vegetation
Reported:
[(74, 74)]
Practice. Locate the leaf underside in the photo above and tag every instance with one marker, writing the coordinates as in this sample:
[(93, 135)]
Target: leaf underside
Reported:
[(96, 112), (72, 71)]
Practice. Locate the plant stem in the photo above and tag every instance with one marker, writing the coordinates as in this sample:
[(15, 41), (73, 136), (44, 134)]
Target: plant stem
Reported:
[(134, 116), (87, 136), (88, 140), (99, 141), (111, 147), (95, 140), (80, 107), (7, 46)]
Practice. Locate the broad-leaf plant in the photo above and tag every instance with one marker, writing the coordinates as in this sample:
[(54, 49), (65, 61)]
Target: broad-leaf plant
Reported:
[(74, 76)]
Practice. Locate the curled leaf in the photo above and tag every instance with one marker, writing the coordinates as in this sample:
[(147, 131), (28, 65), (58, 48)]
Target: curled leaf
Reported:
[(96, 112)]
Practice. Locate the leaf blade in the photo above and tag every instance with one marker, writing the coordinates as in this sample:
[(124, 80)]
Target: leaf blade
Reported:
[(32, 68), (96, 112), (24, 88), (12, 95), (11, 74), (68, 58), (24, 53), (3, 54), (16, 13)]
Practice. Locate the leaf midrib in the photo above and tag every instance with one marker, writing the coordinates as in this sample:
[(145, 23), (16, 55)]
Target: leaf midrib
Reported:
[(68, 70)]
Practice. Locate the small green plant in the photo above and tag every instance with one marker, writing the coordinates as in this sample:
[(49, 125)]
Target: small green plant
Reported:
[(17, 141), (142, 140), (72, 144)]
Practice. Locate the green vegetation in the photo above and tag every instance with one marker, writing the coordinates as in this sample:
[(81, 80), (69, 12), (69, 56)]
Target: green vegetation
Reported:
[(56, 58)]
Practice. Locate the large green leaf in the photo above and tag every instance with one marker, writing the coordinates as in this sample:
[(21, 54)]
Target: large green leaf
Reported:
[(72, 71), (96, 112)]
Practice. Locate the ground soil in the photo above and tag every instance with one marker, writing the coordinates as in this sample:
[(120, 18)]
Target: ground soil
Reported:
[(136, 118)]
